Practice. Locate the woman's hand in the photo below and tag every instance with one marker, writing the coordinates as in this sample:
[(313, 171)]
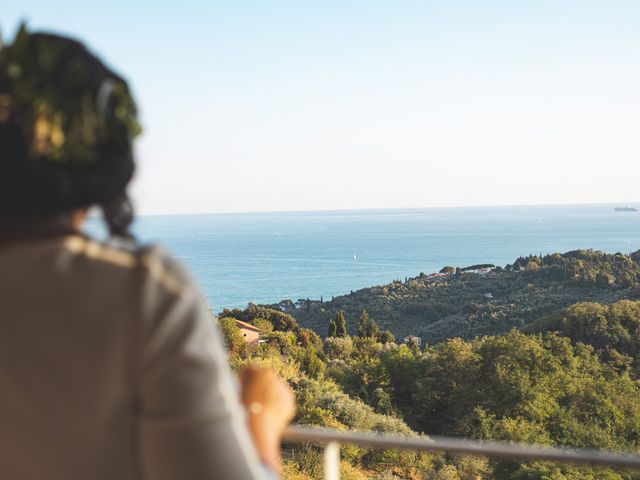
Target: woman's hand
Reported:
[(270, 406)]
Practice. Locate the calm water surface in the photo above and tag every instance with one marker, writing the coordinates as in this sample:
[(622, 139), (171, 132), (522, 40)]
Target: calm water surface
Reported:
[(267, 257)]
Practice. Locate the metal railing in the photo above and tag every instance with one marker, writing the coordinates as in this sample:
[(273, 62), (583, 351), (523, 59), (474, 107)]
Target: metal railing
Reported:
[(331, 439)]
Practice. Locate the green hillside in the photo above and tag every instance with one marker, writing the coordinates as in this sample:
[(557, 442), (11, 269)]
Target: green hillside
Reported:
[(551, 387), (567, 375), (466, 303)]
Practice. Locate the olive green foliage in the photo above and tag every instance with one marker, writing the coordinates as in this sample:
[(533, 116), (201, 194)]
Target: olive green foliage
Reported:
[(338, 349), (371, 329), (233, 340), (312, 365), (322, 401), (333, 329), (362, 324), (265, 326), (613, 330), (568, 379), (368, 328), (588, 267), (386, 337), (540, 389), (278, 319), (341, 324), (471, 304)]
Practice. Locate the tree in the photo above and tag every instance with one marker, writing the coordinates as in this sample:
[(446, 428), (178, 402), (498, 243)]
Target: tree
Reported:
[(372, 330), (281, 321), (338, 348), (233, 340), (341, 324), (413, 346), (605, 279), (265, 326), (312, 365), (448, 270), (362, 325), (308, 338), (368, 328), (333, 330), (386, 337)]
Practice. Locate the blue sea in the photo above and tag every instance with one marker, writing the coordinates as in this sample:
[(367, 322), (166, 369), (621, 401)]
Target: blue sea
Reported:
[(267, 257)]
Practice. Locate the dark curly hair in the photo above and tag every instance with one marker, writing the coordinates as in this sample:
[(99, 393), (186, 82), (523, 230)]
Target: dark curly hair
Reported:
[(66, 129)]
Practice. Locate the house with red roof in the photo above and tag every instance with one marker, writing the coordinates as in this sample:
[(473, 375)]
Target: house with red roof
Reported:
[(250, 333)]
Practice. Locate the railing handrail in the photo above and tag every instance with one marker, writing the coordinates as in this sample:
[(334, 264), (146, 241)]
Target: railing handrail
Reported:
[(455, 445)]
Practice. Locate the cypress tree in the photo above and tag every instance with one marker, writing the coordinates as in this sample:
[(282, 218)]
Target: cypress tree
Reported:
[(372, 329), (332, 328), (362, 325), (341, 324), (386, 337)]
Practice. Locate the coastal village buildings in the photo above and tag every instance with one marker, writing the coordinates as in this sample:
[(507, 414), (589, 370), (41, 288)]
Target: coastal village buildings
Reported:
[(250, 333), (437, 275), (418, 340)]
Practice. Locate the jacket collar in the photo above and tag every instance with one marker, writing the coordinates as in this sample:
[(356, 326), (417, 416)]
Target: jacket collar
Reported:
[(58, 225)]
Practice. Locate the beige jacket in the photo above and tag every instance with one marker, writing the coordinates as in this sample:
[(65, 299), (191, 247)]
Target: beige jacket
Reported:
[(111, 368)]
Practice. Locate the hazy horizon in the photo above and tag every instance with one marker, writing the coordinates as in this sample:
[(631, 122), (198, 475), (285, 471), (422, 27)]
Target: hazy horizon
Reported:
[(635, 204)]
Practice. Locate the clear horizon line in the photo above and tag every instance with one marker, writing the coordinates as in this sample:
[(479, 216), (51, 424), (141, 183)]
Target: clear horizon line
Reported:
[(371, 209)]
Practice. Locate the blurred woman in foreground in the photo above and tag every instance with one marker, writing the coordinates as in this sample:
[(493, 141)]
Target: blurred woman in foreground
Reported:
[(109, 363)]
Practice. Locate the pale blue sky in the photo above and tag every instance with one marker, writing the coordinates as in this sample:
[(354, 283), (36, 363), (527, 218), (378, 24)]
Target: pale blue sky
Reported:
[(296, 105)]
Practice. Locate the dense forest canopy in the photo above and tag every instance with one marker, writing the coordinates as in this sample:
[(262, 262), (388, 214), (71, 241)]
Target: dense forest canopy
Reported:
[(552, 359), (479, 300)]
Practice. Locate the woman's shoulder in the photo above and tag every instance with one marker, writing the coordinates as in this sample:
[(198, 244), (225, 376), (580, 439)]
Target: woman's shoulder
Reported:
[(149, 263)]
